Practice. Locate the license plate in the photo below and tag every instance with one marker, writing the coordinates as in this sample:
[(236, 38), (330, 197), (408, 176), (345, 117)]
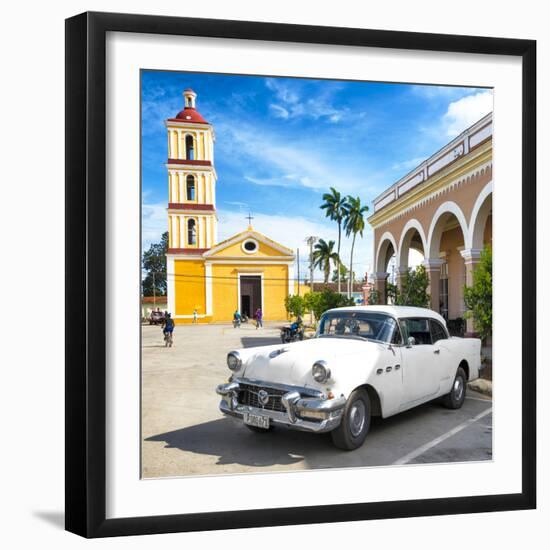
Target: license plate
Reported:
[(256, 420)]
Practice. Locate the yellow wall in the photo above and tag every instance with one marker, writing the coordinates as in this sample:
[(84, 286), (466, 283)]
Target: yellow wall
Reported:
[(236, 250), (225, 290), (190, 289), (304, 289)]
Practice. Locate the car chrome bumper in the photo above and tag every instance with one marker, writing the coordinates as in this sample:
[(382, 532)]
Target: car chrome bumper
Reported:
[(310, 414)]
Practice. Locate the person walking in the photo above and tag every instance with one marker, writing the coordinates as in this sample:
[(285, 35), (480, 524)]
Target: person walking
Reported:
[(168, 330), (258, 316), (236, 319), (195, 316)]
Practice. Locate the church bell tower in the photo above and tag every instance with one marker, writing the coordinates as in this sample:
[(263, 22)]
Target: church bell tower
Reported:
[(192, 222)]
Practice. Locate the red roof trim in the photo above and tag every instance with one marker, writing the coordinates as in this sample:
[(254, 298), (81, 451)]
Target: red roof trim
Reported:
[(189, 115), (189, 161), (152, 299), (191, 251), (189, 206), (188, 121)]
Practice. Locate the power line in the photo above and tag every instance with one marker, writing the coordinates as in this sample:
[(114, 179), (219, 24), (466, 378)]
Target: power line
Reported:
[(234, 277)]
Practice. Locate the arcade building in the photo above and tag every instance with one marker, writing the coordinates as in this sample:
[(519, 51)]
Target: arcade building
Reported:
[(442, 209)]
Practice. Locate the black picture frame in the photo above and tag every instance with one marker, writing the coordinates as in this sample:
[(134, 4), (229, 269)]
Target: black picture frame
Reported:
[(86, 280)]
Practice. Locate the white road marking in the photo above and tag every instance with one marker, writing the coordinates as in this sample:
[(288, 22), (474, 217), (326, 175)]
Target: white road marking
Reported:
[(487, 400), (421, 450)]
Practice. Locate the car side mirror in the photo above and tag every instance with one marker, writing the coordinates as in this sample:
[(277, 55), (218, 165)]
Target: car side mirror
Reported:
[(411, 341)]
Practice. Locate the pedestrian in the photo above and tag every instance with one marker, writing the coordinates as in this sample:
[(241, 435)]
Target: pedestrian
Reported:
[(258, 316), (195, 315), (236, 319), (168, 329)]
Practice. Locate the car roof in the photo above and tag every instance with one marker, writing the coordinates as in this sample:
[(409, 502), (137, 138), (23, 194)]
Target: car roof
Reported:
[(398, 312)]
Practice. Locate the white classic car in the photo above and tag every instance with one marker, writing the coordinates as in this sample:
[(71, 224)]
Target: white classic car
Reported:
[(363, 361)]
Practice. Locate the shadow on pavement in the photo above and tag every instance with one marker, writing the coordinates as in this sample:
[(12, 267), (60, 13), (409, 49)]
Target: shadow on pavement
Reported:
[(233, 443), (388, 440), (153, 346)]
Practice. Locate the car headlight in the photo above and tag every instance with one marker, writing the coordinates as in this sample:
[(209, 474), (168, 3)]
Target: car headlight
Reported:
[(320, 371), (234, 361)]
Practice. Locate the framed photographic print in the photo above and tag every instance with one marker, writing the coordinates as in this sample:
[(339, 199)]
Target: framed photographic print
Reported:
[(300, 273)]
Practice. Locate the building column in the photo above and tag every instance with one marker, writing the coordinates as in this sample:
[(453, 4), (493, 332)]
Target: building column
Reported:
[(380, 286), (471, 259), (433, 268), (170, 285), (400, 277)]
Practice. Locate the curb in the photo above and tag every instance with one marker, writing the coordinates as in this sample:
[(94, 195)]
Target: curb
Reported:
[(482, 386)]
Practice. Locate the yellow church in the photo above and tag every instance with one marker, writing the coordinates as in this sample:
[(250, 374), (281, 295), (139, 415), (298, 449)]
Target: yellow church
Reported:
[(207, 278)]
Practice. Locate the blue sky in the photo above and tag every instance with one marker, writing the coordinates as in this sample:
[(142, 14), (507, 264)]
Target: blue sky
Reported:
[(281, 142)]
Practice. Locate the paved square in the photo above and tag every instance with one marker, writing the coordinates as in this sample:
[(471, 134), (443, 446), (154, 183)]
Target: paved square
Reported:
[(185, 434)]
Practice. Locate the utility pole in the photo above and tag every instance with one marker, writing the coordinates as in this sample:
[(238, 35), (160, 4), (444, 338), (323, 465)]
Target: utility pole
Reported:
[(154, 292), (311, 241), (298, 260)]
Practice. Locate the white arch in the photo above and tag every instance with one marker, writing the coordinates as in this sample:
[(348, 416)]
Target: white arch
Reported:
[(387, 236), (411, 224), (475, 239), (445, 208)]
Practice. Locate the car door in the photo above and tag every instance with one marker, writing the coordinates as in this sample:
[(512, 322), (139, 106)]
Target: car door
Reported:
[(446, 360), (388, 376), (421, 375)]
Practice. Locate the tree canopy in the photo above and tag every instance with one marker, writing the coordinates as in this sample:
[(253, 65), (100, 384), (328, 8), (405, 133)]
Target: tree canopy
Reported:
[(414, 288), (153, 263), (323, 256)]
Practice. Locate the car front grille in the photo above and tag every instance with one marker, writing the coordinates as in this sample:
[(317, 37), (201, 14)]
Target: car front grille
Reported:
[(248, 395)]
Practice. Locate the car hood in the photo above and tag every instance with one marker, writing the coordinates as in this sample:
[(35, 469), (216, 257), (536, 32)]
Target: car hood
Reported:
[(291, 363)]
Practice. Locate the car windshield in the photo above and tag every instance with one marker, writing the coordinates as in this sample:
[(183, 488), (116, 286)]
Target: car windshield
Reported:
[(359, 324)]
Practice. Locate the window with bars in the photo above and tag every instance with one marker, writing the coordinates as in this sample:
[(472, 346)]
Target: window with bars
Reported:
[(191, 188), (191, 232)]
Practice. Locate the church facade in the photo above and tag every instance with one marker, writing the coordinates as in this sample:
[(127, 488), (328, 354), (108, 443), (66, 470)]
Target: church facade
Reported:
[(208, 279)]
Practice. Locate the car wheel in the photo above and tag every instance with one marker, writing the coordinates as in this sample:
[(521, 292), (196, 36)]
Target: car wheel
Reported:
[(355, 422), (455, 398)]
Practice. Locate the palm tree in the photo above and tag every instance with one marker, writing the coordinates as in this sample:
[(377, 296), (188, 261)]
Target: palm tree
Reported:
[(323, 255), (334, 209), (354, 222)]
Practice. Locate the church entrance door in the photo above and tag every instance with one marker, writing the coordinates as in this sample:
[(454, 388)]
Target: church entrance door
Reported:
[(251, 294)]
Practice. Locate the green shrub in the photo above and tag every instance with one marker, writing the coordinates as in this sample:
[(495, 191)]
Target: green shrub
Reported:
[(319, 302), (374, 297), (478, 298), (414, 288), (295, 305)]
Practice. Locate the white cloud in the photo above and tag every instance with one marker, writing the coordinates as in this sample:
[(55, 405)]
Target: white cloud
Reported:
[(465, 111), (295, 161), (283, 91), (431, 91), (407, 164), (279, 112), (278, 182), (291, 104), (154, 222)]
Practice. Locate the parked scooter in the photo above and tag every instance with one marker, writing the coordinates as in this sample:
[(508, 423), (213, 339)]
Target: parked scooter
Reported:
[(293, 332)]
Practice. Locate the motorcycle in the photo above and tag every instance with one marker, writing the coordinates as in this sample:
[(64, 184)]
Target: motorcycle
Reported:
[(292, 333)]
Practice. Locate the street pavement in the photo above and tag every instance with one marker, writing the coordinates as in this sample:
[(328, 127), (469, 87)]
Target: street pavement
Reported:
[(184, 434)]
